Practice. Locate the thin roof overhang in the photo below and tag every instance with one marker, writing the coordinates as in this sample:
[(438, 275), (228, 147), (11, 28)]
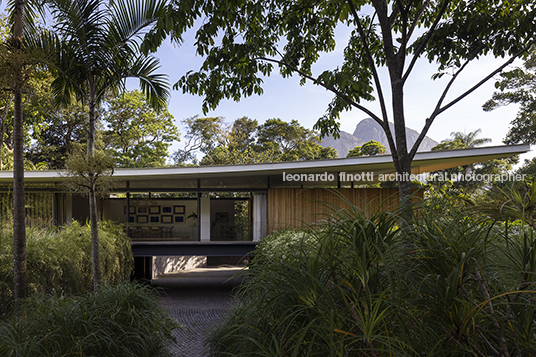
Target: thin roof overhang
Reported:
[(380, 164)]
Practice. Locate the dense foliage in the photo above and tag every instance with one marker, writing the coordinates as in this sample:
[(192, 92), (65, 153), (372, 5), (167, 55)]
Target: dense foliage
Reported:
[(463, 287), (470, 140), (137, 135), (518, 86), (367, 149), (59, 260), (121, 320), (245, 141)]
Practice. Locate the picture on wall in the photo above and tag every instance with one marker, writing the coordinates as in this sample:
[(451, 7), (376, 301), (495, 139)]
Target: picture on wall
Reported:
[(154, 210), (179, 219), (167, 219), (131, 210), (142, 209), (142, 219), (167, 209), (178, 209)]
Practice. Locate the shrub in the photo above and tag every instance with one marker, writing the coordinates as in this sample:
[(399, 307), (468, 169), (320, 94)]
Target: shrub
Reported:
[(120, 320), (59, 260), (464, 286)]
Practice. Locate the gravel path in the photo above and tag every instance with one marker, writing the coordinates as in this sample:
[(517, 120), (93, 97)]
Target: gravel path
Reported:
[(197, 298)]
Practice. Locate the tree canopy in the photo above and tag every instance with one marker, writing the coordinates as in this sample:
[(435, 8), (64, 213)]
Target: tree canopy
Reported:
[(243, 40), (367, 149), (518, 86), (245, 141), (137, 135)]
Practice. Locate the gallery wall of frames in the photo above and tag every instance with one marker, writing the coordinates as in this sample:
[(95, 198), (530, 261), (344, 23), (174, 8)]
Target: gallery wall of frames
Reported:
[(170, 219)]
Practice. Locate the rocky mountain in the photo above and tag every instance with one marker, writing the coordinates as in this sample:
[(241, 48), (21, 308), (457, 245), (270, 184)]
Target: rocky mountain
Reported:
[(367, 130)]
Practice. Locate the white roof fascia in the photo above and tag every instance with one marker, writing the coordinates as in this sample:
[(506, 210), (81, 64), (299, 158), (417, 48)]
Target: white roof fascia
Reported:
[(435, 160)]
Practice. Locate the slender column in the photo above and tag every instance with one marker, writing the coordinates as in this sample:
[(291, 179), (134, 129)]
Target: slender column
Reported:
[(127, 223), (56, 209), (204, 219), (260, 216)]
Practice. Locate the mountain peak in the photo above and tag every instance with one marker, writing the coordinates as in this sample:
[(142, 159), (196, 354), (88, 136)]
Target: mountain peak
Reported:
[(367, 130)]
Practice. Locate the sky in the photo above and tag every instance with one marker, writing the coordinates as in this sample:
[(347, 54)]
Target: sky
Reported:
[(284, 98)]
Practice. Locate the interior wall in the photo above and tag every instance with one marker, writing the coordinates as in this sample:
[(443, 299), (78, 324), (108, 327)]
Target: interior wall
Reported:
[(222, 220), (143, 211)]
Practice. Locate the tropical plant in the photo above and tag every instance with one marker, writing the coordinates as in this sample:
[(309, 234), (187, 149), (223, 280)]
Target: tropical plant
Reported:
[(464, 286), (92, 49), (459, 182)]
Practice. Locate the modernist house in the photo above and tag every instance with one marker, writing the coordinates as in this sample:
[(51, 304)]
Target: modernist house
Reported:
[(225, 210)]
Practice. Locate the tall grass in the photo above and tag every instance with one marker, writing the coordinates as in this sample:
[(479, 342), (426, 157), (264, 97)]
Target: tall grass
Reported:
[(463, 287), (120, 320), (59, 260)]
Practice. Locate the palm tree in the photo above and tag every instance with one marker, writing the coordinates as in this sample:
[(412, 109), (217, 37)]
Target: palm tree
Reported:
[(92, 49)]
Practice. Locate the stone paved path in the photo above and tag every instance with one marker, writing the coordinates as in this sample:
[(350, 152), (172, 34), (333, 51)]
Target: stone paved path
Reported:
[(191, 339), (198, 298)]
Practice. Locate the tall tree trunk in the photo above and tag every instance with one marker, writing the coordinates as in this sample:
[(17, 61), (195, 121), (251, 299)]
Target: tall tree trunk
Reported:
[(404, 161), (3, 129), (93, 216), (95, 247), (19, 216)]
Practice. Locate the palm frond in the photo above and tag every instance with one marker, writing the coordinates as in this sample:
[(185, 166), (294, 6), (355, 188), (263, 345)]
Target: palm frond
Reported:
[(155, 86), (33, 10), (129, 19)]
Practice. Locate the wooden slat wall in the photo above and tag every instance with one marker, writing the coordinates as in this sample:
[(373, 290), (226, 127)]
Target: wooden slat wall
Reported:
[(294, 207)]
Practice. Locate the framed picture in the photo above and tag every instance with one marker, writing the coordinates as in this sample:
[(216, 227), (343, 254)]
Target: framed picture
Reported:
[(131, 210), (179, 219), (178, 209), (167, 218), (222, 217), (142, 209), (154, 219), (167, 209), (142, 219), (154, 210)]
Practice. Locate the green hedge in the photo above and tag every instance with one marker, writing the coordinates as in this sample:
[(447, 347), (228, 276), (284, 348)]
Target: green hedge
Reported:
[(59, 260)]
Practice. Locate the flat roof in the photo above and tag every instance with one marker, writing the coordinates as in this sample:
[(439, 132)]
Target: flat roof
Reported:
[(379, 164)]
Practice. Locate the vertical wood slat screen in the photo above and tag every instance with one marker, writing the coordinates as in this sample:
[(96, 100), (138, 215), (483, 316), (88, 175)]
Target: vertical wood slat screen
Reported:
[(294, 207), (39, 206)]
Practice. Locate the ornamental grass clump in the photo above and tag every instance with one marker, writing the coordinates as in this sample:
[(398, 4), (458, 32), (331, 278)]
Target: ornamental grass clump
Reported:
[(121, 320), (59, 260), (463, 286)]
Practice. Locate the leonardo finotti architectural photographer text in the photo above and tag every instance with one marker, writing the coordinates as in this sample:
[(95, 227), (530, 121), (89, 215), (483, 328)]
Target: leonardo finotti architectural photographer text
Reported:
[(370, 177)]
